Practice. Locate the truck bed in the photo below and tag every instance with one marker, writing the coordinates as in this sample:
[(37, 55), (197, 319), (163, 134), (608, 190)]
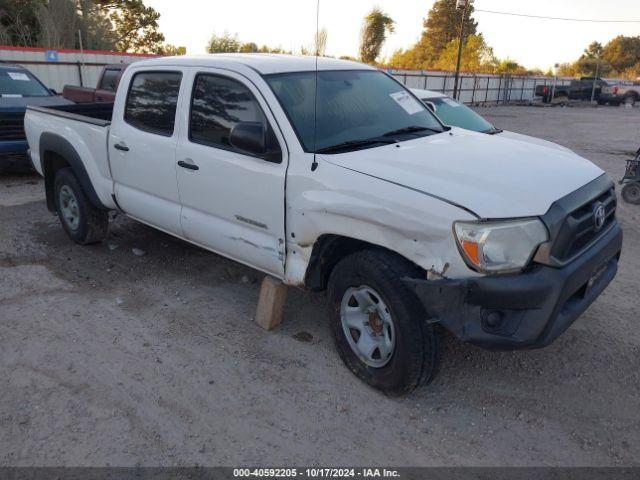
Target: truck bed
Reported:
[(95, 113), (81, 128)]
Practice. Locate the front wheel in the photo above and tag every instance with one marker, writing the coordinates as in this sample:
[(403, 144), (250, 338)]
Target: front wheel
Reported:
[(84, 223), (631, 193), (379, 326)]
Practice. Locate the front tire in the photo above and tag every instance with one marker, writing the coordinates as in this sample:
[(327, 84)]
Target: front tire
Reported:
[(379, 326), (631, 193), (84, 223)]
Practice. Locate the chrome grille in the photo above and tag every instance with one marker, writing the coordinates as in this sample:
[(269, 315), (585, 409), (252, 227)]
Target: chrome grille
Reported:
[(579, 229)]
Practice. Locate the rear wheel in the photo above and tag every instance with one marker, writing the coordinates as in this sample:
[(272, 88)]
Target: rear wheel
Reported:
[(84, 223), (631, 193), (630, 100), (561, 100), (379, 326)]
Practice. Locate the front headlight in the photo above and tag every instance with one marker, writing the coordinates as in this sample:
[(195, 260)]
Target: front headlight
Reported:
[(500, 246)]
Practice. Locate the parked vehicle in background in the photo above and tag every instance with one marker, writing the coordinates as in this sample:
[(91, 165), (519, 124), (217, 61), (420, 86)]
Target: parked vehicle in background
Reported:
[(631, 181), (457, 114), (580, 89), (404, 221), (105, 92), (19, 88), (624, 93)]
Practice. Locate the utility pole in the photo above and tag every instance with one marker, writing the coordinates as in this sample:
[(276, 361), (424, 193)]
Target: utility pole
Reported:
[(464, 4), (555, 82), (80, 63), (595, 79)]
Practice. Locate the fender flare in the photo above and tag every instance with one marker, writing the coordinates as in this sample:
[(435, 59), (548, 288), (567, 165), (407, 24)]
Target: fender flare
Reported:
[(53, 143)]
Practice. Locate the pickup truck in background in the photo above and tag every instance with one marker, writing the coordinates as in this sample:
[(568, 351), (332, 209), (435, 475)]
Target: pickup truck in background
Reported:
[(408, 224), (618, 94), (19, 88), (105, 92), (579, 89)]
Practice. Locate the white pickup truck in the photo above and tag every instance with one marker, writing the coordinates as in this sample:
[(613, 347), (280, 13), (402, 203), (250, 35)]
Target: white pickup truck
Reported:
[(410, 225)]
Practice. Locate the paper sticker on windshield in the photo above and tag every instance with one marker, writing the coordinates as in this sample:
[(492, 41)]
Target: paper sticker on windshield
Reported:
[(23, 77), (407, 102), (11, 95), (450, 102)]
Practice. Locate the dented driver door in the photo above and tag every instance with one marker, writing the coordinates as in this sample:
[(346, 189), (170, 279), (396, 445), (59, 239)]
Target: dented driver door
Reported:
[(232, 201)]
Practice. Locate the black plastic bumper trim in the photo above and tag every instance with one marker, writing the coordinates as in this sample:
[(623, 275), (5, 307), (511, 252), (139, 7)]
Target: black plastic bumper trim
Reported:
[(526, 310)]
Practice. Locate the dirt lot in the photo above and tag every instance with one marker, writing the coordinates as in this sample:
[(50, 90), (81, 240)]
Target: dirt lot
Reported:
[(111, 358)]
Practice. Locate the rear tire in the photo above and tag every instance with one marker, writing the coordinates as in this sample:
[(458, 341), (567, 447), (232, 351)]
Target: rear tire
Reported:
[(630, 100), (84, 223), (367, 287), (631, 193)]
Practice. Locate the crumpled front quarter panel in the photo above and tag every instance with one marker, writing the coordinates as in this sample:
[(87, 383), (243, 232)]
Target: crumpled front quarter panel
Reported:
[(336, 200)]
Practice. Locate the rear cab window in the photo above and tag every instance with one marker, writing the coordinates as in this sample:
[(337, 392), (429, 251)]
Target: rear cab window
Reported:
[(152, 101), (110, 80)]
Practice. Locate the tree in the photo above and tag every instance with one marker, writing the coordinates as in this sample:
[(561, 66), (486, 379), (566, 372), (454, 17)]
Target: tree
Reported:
[(510, 67), (96, 27), (135, 25), (591, 62), (19, 22), (320, 42), (376, 26), (568, 70), (249, 47), (169, 50), (123, 25), (441, 26), (622, 53), (477, 56), (58, 23), (225, 43)]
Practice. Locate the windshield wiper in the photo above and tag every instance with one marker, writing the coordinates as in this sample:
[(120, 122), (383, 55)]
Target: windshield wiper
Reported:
[(411, 129), (356, 143), (493, 131)]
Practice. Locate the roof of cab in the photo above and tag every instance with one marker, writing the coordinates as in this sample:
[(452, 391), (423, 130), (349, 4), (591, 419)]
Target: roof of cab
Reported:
[(263, 63)]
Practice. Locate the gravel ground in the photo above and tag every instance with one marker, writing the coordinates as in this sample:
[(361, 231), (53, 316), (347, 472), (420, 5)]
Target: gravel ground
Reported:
[(113, 358)]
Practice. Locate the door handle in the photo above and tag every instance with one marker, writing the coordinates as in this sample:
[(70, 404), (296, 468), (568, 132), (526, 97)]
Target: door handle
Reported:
[(121, 146), (188, 165)]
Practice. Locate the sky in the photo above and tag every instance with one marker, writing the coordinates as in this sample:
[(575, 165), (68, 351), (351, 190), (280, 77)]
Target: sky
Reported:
[(291, 24)]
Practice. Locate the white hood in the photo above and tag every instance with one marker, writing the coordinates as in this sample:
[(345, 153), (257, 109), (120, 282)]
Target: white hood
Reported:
[(492, 176), (533, 140)]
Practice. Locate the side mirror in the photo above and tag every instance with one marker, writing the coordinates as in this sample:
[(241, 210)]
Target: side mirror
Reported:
[(430, 105), (250, 137)]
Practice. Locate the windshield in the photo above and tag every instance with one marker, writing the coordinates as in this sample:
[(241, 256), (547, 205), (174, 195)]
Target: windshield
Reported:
[(20, 83), (353, 105), (458, 115)]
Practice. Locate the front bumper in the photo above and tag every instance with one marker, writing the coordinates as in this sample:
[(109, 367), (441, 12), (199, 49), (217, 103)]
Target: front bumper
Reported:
[(13, 147), (14, 154), (527, 310)]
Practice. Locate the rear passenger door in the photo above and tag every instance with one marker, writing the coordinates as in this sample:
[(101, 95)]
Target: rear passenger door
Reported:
[(142, 148), (232, 202)]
